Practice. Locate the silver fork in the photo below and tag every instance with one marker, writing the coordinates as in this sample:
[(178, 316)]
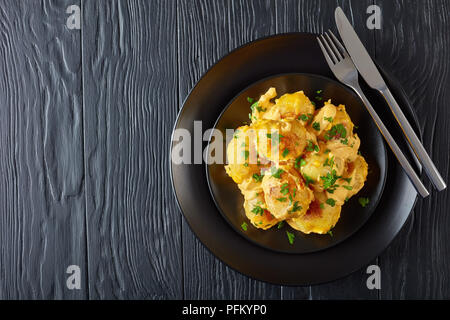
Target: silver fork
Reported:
[(344, 70)]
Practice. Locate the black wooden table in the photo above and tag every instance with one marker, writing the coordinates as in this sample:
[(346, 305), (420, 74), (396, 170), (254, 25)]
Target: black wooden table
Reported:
[(85, 123)]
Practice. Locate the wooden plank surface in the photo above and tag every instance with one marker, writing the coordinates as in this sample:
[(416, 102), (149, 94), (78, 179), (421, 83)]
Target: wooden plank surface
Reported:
[(85, 123), (42, 216), (130, 98), (414, 44)]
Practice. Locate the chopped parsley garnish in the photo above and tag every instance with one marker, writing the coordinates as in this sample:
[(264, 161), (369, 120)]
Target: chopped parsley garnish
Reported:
[(348, 187), (280, 224), (313, 103), (329, 162), (276, 172), (329, 119), (291, 199), (329, 181), (250, 116), (235, 135), (291, 237), (316, 148), (348, 180), (260, 109), (330, 233), (245, 154), (344, 141), (257, 177), (319, 98), (303, 117), (310, 146), (250, 100), (308, 180), (363, 201), (322, 206), (246, 164), (337, 131), (258, 210), (346, 199), (282, 199), (296, 207), (316, 126), (327, 151), (244, 226), (331, 202), (253, 106), (319, 91), (285, 153), (294, 192), (299, 162), (284, 189)]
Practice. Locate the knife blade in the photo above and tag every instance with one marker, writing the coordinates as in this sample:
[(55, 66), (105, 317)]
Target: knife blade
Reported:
[(358, 52), (372, 76)]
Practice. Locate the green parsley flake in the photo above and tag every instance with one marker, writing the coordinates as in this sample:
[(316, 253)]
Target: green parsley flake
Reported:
[(282, 199), (250, 100), (285, 153), (299, 162), (331, 202), (257, 177), (280, 224), (308, 180), (329, 119), (348, 187), (296, 207), (284, 188), (322, 206), (316, 126), (303, 117), (276, 172), (337, 131), (291, 237), (245, 154), (244, 226), (330, 233), (258, 210), (319, 91), (363, 201)]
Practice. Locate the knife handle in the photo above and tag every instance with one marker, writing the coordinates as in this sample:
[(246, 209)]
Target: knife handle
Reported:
[(414, 141), (413, 177)]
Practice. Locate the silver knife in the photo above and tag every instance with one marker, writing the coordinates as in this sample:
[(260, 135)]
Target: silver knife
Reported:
[(372, 76)]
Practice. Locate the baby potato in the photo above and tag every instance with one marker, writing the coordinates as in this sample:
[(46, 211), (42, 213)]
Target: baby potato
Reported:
[(241, 156), (285, 193), (322, 121), (263, 104), (280, 140), (290, 106), (321, 216), (255, 206), (351, 182)]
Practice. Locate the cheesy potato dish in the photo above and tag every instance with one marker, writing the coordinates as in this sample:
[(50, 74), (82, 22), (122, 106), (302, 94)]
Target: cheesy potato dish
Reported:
[(296, 163)]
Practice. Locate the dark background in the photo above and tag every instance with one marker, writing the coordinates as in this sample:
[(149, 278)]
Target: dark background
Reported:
[(85, 123)]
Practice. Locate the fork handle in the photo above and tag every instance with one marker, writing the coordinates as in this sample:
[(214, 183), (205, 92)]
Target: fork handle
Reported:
[(414, 141), (392, 144)]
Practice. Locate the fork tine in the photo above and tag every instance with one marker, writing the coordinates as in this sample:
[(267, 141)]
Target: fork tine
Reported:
[(338, 43), (325, 53), (335, 50), (329, 50)]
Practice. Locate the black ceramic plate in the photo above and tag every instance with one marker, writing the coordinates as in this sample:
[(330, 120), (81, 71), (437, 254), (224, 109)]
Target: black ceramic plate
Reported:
[(287, 53), (229, 199)]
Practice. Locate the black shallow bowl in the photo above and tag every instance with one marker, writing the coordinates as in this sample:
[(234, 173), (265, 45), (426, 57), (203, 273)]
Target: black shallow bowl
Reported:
[(229, 199), (286, 53)]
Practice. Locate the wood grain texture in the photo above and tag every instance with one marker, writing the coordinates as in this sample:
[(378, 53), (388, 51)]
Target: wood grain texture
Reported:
[(317, 17), (42, 206), (414, 44), (229, 24), (130, 98)]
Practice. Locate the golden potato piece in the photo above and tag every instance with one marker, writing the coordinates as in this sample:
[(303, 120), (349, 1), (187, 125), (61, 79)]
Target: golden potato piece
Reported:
[(263, 104), (255, 206), (321, 217), (352, 181), (290, 106), (280, 140), (241, 156), (285, 192)]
